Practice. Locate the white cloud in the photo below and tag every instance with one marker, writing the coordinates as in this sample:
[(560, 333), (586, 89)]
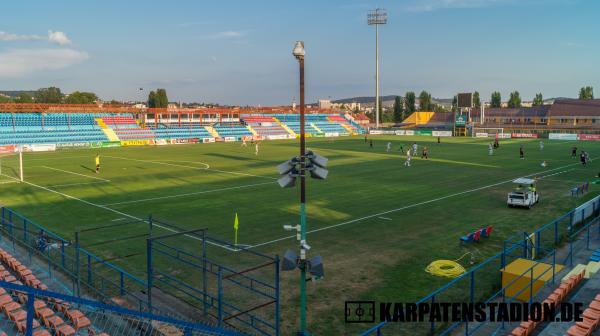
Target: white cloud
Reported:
[(4, 36), (431, 5), (58, 37), (230, 34), (20, 62)]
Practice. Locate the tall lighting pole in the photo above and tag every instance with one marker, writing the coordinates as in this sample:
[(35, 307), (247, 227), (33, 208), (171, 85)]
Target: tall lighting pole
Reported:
[(299, 54), (377, 17)]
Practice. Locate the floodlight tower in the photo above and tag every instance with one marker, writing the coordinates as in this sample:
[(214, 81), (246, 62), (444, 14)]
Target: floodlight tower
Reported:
[(377, 17)]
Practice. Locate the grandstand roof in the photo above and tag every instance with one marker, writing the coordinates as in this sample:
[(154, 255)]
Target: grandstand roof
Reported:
[(575, 107), (522, 112)]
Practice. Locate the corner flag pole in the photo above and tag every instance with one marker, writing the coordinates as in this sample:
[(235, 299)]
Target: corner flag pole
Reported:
[(235, 228)]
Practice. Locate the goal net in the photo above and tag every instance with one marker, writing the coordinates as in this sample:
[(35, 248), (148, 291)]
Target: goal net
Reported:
[(484, 132), (11, 164)]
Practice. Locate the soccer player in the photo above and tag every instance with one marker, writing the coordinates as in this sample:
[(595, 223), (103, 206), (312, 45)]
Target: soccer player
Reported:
[(97, 163), (582, 158), (415, 148), (574, 152), (544, 164), (424, 153), (256, 149), (371, 144), (541, 145), (244, 144), (389, 147), (521, 153), (408, 157), (366, 138), (490, 149), (439, 141)]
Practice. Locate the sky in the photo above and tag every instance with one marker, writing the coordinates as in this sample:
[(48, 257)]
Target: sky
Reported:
[(239, 52)]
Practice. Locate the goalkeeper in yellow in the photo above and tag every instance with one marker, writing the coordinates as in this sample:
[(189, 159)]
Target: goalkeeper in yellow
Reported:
[(97, 163)]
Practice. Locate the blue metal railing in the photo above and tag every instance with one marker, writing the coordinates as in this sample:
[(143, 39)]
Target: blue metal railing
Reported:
[(576, 217)]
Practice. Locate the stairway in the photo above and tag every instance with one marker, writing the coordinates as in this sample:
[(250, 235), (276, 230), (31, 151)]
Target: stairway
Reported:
[(110, 134), (212, 131), (252, 130), (101, 123), (316, 128), (285, 127)]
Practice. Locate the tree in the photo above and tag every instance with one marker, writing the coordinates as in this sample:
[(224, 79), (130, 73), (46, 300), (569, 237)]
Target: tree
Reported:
[(152, 99), (515, 100), (50, 95), (455, 104), (81, 98), (24, 98), (496, 100), (476, 99), (398, 109), (538, 100), (161, 98), (586, 92), (425, 101), (5, 99), (409, 101)]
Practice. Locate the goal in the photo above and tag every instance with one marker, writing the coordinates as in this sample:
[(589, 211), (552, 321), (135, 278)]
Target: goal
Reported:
[(484, 132), (11, 164)]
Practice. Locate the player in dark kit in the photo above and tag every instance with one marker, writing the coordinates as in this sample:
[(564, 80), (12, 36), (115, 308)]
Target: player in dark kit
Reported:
[(521, 153), (574, 152)]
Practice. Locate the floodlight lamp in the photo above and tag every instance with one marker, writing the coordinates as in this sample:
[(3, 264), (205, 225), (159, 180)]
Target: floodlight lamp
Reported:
[(299, 50), (317, 159), (289, 261), (287, 181), (316, 268)]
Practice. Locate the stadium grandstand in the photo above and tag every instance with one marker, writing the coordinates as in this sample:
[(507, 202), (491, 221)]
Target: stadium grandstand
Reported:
[(47, 124), (563, 115)]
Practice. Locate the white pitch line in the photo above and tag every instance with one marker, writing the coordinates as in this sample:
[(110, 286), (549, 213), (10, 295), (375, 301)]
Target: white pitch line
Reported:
[(189, 194), (410, 206), (119, 213), (385, 218), (7, 182), (118, 219), (75, 184), (70, 172), (191, 167)]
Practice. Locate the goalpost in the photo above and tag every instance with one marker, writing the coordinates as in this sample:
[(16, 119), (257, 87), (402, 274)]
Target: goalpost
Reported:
[(484, 132), (9, 154)]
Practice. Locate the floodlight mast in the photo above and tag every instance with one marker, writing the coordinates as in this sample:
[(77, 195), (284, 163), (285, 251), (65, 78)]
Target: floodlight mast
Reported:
[(377, 17), (299, 54)]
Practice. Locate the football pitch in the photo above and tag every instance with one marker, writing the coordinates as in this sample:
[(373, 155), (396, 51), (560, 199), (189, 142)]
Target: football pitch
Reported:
[(376, 223)]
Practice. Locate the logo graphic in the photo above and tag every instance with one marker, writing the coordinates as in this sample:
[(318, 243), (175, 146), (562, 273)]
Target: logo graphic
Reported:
[(360, 311)]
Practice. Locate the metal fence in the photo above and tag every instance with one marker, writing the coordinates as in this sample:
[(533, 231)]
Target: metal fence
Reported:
[(220, 283), (39, 306), (482, 283)]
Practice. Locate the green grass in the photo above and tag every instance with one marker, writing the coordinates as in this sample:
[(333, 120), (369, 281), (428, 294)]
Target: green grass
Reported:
[(379, 257)]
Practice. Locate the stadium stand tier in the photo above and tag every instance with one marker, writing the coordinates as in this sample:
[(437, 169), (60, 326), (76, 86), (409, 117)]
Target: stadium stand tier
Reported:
[(56, 128)]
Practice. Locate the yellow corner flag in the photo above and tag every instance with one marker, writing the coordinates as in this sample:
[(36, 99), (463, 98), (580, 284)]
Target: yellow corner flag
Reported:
[(235, 227)]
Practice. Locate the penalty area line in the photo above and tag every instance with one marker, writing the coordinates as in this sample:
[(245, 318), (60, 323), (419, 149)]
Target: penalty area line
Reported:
[(414, 205), (208, 168), (78, 174), (120, 213), (189, 194)]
